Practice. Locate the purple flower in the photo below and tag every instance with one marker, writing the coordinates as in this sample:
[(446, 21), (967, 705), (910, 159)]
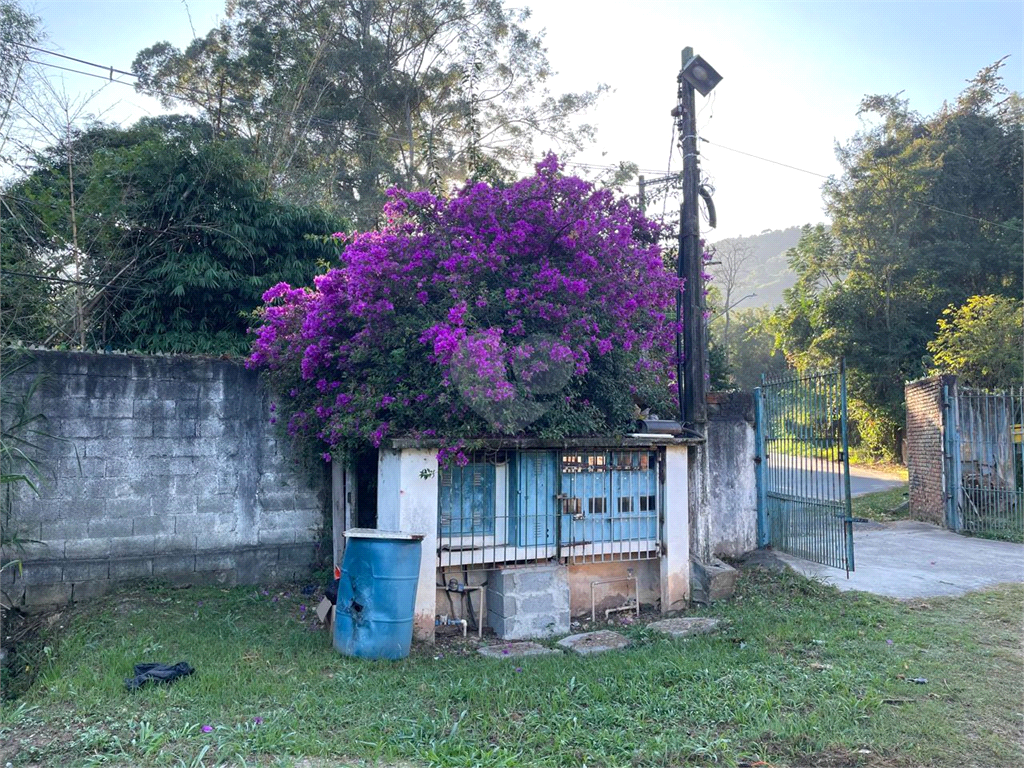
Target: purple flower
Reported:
[(519, 669), (207, 728), (257, 721)]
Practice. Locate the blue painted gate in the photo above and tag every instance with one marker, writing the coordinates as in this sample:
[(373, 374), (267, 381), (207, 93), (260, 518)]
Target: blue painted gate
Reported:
[(803, 468)]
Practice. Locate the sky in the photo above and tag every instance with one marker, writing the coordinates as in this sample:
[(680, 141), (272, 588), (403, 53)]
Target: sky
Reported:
[(793, 77)]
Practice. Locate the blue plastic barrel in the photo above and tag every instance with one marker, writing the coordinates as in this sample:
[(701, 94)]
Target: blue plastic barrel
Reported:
[(377, 593)]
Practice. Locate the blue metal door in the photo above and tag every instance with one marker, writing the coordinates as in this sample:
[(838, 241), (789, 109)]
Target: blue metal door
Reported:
[(803, 468)]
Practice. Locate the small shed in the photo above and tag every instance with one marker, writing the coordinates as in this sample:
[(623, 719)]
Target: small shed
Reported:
[(528, 533)]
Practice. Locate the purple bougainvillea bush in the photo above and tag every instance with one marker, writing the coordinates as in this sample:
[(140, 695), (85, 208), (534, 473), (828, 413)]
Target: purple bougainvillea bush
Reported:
[(541, 309)]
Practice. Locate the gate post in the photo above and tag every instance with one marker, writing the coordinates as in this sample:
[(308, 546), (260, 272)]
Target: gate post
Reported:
[(951, 449), (848, 520), (760, 467)]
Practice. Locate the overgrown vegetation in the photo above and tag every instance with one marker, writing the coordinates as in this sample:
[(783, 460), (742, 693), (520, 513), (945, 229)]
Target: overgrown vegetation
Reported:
[(804, 675), (540, 308), (884, 506), (927, 214)]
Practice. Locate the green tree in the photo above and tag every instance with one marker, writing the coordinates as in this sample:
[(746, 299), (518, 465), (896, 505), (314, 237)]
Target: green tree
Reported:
[(177, 238), (926, 213), (982, 342), (753, 349), (342, 100)]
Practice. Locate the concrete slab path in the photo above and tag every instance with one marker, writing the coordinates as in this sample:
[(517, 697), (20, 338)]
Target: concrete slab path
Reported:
[(911, 559)]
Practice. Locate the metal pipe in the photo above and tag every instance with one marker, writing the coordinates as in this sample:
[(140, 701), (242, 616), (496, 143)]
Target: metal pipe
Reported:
[(593, 599)]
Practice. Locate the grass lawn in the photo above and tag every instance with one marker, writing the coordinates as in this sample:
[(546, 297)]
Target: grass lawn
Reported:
[(884, 506), (804, 675)]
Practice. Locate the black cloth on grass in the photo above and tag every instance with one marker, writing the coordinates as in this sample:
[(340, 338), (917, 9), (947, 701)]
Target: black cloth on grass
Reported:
[(157, 673)]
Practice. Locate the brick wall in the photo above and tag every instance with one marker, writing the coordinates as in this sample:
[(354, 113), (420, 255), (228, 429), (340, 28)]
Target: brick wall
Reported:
[(924, 447), (166, 468)]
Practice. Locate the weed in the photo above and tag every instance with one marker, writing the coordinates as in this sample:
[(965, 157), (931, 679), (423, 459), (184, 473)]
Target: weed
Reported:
[(803, 674)]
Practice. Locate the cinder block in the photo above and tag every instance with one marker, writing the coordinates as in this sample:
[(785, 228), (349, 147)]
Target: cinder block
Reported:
[(154, 410), (135, 546), (176, 428), (711, 582), (110, 528), (47, 572), (80, 511), (186, 410), (277, 521), (110, 409), (177, 503), (285, 536), (227, 540), (297, 554), (86, 570), (87, 548), (125, 570), (277, 501), (215, 561), (78, 428), (38, 595), (531, 602), (126, 508), (215, 504), (152, 525), (167, 566), (254, 566), (127, 427), (90, 590), (175, 543)]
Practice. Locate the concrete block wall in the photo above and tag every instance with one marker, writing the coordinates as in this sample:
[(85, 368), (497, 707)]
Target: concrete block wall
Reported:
[(528, 601), (723, 484), (924, 450), (161, 467)]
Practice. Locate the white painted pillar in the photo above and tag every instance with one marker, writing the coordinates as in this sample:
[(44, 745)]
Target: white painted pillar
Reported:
[(675, 548), (407, 502), (339, 522)]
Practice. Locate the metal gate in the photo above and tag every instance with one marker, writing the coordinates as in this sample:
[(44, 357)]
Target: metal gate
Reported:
[(803, 468), (985, 469)]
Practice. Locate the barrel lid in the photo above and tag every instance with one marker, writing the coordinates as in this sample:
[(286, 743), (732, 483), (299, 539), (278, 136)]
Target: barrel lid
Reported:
[(376, 533)]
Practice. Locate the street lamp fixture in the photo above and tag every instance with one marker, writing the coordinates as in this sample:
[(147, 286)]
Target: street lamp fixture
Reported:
[(700, 75)]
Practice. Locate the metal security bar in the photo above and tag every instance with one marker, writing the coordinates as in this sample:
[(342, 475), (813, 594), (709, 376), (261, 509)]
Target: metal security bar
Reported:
[(505, 507), (987, 438), (803, 471), (498, 508), (611, 504)]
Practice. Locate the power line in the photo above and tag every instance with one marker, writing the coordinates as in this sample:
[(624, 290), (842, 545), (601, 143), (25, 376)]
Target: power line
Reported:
[(72, 58), (823, 176), (765, 159)]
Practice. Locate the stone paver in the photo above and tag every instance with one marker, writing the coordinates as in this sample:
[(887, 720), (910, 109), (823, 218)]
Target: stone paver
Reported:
[(514, 650), (594, 642), (687, 627)]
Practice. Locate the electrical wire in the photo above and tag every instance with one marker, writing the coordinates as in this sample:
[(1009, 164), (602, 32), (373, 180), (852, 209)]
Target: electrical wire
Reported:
[(823, 176), (668, 166), (401, 139)]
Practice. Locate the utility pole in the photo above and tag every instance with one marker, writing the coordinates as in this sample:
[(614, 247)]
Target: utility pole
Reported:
[(692, 348)]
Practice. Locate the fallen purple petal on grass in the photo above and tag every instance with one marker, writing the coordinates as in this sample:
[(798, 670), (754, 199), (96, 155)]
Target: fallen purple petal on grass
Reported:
[(207, 728), (888, 642)]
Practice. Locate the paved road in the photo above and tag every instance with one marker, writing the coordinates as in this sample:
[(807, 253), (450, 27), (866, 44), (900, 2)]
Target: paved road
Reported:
[(795, 474), (910, 559)]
